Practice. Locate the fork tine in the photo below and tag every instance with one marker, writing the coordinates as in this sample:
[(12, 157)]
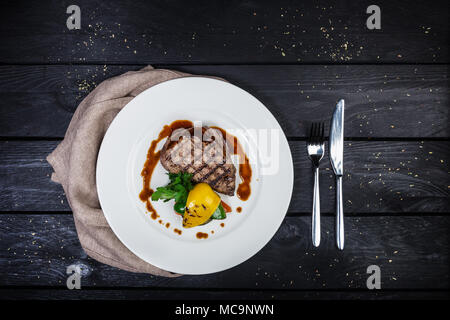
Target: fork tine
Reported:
[(322, 133), (313, 132), (318, 133)]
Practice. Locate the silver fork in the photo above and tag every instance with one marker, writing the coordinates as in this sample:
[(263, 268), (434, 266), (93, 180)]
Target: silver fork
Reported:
[(316, 150)]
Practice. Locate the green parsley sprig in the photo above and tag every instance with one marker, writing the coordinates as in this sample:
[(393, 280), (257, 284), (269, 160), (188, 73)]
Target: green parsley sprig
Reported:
[(178, 189)]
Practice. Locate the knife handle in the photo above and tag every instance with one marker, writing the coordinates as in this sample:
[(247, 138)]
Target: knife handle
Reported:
[(339, 214), (316, 210)]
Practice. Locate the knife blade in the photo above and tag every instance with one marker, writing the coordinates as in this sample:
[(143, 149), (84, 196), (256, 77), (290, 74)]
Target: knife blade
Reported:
[(337, 162), (337, 139)]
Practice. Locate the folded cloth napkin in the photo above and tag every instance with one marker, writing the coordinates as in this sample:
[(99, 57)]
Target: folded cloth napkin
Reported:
[(74, 163)]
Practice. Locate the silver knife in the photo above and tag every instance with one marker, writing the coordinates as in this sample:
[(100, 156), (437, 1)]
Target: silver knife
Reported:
[(336, 158)]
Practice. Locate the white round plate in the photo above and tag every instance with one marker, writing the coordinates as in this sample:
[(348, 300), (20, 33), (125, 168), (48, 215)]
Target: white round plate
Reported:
[(123, 153)]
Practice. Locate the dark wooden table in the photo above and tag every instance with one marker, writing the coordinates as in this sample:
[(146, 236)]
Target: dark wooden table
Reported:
[(298, 59)]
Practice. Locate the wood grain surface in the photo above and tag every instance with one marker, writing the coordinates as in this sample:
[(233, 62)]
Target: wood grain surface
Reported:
[(383, 101), (298, 59), (224, 32), (116, 294), (380, 177), (412, 253)]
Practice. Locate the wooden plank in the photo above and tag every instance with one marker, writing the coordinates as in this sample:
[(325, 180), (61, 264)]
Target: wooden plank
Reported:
[(224, 32), (187, 295), (381, 177), (412, 253), (383, 101), (25, 177)]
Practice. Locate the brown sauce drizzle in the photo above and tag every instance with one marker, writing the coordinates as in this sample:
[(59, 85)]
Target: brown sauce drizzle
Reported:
[(201, 235), (239, 209), (167, 225), (152, 161), (245, 170)]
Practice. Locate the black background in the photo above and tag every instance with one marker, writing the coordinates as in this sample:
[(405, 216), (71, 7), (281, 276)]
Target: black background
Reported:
[(298, 58)]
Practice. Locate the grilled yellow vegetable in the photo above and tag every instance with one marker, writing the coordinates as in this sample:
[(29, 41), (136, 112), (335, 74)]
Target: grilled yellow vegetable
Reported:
[(201, 203)]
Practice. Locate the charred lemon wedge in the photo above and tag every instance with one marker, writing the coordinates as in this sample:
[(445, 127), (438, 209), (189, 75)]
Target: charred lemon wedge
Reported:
[(201, 203)]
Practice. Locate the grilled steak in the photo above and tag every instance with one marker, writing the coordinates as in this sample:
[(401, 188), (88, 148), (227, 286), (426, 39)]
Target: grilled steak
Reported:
[(203, 155)]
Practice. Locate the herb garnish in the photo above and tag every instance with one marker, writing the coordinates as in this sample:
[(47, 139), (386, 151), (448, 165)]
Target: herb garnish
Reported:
[(178, 189), (219, 214)]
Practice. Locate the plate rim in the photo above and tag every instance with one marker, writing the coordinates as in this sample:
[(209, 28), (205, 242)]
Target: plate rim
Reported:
[(282, 208)]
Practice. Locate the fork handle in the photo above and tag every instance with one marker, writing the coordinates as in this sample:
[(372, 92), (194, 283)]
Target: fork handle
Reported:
[(316, 210), (339, 214)]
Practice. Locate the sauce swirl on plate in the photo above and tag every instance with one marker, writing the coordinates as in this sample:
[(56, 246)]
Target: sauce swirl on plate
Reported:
[(153, 156), (245, 170), (152, 161)]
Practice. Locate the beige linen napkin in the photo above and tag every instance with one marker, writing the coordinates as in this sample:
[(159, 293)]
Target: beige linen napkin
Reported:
[(74, 164)]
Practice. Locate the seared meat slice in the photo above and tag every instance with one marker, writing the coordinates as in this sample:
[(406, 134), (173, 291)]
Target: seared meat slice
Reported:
[(205, 156)]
